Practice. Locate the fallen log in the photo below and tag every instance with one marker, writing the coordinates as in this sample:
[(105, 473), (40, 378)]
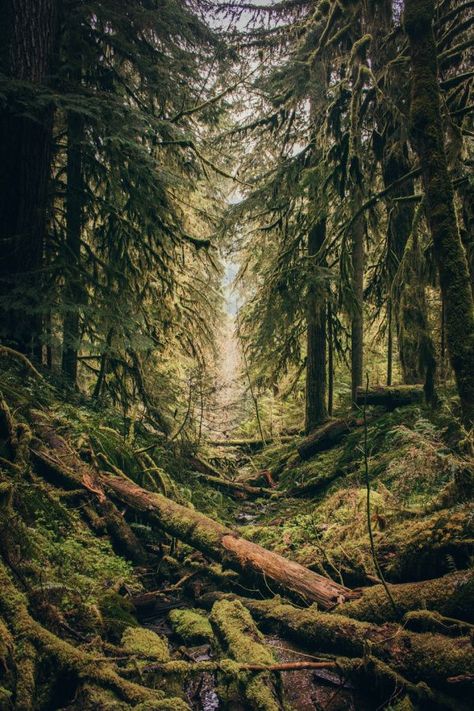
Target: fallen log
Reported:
[(327, 436), (391, 397), (253, 445), (225, 545), (237, 632), (431, 658), (182, 667), (197, 530), (239, 486), (451, 595)]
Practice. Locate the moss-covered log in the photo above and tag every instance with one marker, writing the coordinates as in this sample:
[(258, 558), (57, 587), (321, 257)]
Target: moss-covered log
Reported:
[(327, 436), (391, 397), (451, 595), (239, 635), (192, 527), (83, 667), (431, 658), (428, 140)]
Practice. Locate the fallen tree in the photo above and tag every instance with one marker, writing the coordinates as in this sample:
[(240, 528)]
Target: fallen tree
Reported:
[(239, 635), (327, 436), (451, 595), (186, 524), (390, 397), (432, 658)]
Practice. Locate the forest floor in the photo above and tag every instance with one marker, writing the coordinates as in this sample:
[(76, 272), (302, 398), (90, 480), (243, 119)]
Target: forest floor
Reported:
[(106, 603)]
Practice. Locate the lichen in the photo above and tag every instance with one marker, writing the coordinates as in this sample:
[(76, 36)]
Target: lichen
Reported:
[(192, 626)]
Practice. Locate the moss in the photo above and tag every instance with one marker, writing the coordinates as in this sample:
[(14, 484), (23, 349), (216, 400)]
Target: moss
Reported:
[(117, 614), (191, 626), (145, 644), (239, 632)]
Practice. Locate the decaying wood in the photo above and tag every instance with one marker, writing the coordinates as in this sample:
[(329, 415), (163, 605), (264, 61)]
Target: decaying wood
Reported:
[(451, 595), (199, 531), (226, 545), (239, 486), (240, 637), (417, 656), (251, 444), (183, 667), (391, 397), (327, 436)]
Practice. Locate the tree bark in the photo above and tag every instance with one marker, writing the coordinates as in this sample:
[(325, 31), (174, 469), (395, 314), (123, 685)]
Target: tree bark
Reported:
[(316, 376), (428, 140), (74, 198), (27, 41), (357, 323)]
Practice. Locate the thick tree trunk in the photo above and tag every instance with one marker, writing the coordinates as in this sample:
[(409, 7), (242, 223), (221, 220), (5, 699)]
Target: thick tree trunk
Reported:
[(428, 140), (316, 410), (72, 293), (27, 41)]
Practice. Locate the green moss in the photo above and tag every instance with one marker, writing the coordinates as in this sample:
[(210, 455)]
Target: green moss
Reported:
[(145, 644), (191, 626), (117, 614), (239, 632)]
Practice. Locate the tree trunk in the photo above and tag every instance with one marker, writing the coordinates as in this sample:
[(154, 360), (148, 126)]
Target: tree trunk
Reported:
[(330, 362), (72, 294), (316, 410), (428, 140), (357, 324), (27, 42)]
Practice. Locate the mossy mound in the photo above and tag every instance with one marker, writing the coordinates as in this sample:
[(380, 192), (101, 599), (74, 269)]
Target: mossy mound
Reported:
[(145, 644), (191, 626)]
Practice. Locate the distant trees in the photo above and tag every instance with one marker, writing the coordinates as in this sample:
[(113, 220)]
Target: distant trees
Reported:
[(370, 180)]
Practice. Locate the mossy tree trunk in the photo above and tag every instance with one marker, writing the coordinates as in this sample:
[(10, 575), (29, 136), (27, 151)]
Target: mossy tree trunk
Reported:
[(428, 140), (316, 375)]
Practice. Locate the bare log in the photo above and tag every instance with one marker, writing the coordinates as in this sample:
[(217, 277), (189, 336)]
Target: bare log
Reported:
[(225, 545), (391, 397)]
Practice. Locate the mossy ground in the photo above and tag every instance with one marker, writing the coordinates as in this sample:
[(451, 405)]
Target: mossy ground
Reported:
[(57, 547)]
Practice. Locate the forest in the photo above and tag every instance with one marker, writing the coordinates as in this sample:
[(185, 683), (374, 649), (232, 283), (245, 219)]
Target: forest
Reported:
[(236, 355)]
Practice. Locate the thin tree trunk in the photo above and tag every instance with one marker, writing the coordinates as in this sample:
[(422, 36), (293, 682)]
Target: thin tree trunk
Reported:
[(27, 42), (389, 343), (330, 362), (316, 376), (428, 140), (357, 325), (72, 296)]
